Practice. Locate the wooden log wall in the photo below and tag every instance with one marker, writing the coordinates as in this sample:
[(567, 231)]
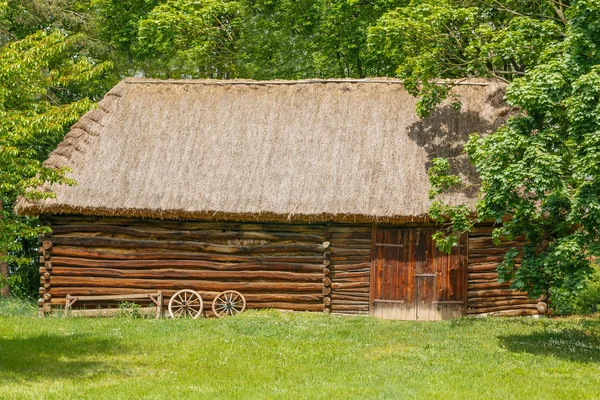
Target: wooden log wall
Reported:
[(485, 295), (350, 268), (283, 266)]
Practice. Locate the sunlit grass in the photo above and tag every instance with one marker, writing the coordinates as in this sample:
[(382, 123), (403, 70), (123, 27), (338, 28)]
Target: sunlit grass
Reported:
[(262, 355)]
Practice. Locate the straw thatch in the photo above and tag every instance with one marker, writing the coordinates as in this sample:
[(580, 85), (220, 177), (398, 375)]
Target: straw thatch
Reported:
[(342, 150)]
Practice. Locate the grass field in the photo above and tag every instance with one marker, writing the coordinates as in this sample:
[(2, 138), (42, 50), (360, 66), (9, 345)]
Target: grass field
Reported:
[(272, 355)]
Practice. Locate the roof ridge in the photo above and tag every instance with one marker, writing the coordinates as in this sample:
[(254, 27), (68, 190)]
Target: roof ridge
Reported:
[(466, 81)]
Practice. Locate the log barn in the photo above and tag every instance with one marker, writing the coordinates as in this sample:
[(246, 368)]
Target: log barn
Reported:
[(302, 195)]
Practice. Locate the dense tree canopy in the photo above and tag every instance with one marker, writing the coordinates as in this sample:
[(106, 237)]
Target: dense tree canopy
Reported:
[(539, 172)]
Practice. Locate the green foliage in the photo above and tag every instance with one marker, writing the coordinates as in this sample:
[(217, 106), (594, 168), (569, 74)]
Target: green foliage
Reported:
[(587, 301), (259, 39), (293, 39), (128, 309), (44, 80), (431, 40), (190, 38), (13, 307)]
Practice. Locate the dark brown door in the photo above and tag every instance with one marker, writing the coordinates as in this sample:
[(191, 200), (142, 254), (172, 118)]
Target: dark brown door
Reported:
[(413, 280)]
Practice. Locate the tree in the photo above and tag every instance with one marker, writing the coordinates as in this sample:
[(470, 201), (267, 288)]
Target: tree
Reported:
[(260, 39), (293, 39), (190, 39), (46, 83), (540, 172)]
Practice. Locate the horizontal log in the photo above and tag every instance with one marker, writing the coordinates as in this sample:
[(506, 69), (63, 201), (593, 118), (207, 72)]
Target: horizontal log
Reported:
[(362, 289), (183, 264), (316, 229), (289, 306), (340, 248), (514, 296), (350, 235), (343, 313), (488, 286), (128, 254), (365, 229), (366, 242), (488, 280), (482, 275), (344, 307), (186, 245), (159, 284), (357, 303), (340, 260), (143, 232), (502, 308), (336, 251), (486, 304), (351, 293), (515, 313), (486, 267), (353, 274), (340, 297), (345, 286), (492, 292), (350, 267), (351, 279), (186, 274)]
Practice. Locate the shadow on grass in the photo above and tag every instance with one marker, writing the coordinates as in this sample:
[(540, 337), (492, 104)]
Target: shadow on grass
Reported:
[(56, 357), (580, 345)]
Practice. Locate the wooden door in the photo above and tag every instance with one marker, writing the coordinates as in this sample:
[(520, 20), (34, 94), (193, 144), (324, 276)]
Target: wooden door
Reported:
[(413, 280)]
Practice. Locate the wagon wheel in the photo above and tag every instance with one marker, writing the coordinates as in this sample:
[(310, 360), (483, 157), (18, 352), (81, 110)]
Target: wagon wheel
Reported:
[(229, 302), (185, 303)]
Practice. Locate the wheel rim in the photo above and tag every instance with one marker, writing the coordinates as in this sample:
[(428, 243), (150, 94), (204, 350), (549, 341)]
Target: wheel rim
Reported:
[(229, 303), (186, 303)]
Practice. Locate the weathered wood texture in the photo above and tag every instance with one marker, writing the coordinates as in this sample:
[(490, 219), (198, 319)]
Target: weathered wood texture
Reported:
[(273, 265), (485, 295), (350, 268), (413, 280)]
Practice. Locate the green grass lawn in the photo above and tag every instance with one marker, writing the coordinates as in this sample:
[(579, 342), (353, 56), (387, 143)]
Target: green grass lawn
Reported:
[(272, 355)]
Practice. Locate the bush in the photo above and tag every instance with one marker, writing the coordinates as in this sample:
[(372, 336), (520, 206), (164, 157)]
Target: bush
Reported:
[(14, 306), (587, 301)]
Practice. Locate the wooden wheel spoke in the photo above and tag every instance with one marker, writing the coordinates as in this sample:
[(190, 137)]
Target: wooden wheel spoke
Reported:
[(229, 302), (186, 303), (180, 311)]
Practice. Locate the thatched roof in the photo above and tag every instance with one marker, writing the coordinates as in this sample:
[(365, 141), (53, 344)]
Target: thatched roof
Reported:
[(340, 150)]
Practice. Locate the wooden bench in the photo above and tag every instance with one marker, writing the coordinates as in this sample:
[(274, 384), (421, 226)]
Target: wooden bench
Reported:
[(156, 298)]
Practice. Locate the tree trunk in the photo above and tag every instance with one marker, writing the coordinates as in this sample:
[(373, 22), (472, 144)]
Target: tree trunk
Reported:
[(4, 288)]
